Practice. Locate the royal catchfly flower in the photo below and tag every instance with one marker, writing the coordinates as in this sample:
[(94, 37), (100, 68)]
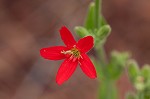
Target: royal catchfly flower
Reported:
[(73, 53)]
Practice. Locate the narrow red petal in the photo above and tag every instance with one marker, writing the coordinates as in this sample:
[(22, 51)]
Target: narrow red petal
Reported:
[(85, 44), (65, 71), (87, 66), (67, 37), (53, 53)]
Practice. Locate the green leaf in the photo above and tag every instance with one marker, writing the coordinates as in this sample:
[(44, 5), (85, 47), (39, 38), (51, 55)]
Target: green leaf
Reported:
[(81, 31), (89, 22)]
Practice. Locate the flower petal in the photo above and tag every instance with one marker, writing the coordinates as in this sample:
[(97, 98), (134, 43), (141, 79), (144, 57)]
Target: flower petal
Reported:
[(65, 71), (67, 37), (53, 53), (85, 44), (87, 66)]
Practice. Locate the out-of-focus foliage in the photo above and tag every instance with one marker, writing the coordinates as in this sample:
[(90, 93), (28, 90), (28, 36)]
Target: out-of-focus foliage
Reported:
[(140, 79), (131, 95), (117, 64), (133, 70)]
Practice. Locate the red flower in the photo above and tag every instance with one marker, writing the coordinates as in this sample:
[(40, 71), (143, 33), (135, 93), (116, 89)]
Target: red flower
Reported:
[(73, 53)]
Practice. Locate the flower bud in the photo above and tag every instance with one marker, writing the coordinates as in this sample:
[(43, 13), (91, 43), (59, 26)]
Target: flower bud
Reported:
[(117, 64), (81, 31), (103, 32), (146, 72), (139, 83), (133, 69)]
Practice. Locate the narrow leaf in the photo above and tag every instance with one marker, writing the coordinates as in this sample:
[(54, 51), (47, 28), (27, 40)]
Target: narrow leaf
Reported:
[(89, 22)]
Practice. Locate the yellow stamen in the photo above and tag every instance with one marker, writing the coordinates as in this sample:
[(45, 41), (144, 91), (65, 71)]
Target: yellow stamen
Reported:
[(74, 52)]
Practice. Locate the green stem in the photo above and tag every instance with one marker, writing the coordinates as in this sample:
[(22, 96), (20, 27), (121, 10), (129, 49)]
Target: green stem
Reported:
[(107, 90), (100, 50), (97, 13), (101, 55)]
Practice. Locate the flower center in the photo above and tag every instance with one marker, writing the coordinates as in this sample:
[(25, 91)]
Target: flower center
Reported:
[(73, 53)]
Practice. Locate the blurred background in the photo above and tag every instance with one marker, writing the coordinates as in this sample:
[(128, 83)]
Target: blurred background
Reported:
[(28, 25)]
